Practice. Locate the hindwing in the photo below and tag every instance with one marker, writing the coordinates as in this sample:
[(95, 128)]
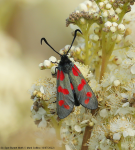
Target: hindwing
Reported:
[(84, 93)]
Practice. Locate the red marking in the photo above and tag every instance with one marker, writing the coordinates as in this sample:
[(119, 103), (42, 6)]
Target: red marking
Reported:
[(80, 86), (71, 86), (67, 106), (77, 69), (86, 101), (89, 94), (61, 102), (62, 76), (58, 74), (75, 73), (64, 91)]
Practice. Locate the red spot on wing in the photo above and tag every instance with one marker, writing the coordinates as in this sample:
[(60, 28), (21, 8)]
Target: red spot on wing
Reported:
[(77, 69), (61, 102), (58, 74), (86, 101), (64, 91), (80, 86), (62, 76), (71, 86), (67, 106), (89, 94), (75, 73)]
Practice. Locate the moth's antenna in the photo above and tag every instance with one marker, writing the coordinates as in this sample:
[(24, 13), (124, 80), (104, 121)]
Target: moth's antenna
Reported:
[(74, 39), (43, 39)]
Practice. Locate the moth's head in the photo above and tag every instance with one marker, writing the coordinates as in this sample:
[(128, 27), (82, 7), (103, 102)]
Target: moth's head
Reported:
[(65, 59)]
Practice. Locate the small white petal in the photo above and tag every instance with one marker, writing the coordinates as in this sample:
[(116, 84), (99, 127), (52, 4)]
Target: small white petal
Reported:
[(31, 107), (84, 121), (133, 69), (67, 147), (37, 117), (116, 136), (103, 113), (130, 132), (125, 104), (41, 111), (77, 128), (42, 90), (125, 133), (42, 123), (124, 95)]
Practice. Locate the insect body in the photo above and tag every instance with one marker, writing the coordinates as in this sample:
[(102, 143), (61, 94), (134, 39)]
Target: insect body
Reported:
[(72, 88)]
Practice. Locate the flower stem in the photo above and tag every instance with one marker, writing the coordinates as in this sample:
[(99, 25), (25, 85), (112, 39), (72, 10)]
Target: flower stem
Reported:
[(87, 134)]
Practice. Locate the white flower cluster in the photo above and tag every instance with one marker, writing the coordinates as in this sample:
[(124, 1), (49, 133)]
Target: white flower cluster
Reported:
[(104, 46)]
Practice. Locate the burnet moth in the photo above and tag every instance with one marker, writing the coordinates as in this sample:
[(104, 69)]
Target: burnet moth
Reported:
[(72, 88)]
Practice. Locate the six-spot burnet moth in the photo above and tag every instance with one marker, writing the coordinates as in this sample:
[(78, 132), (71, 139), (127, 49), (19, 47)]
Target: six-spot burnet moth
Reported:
[(72, 88)]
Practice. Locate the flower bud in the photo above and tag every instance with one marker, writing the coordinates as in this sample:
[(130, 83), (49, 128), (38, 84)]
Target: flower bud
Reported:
[(88, 4), (82, 7), (105, 14), (52, 59), (108, 24), (77, 128), (113, 29), (114, 37), (47, 64), (116, 83), (115, 18), (61, 51), (82, 21), (41, 66), (121, 27), (77, 50), (119, 38), (108, 6), (118, 10), (101, 5)]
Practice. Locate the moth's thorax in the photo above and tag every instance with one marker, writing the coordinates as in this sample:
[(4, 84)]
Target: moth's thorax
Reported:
[(65, 64)]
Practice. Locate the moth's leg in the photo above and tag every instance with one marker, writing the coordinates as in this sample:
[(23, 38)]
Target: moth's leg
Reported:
[(55, 62), (55, 74)]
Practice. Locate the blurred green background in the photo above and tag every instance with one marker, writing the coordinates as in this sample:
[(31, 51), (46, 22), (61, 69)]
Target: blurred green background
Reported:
[(22, 24)]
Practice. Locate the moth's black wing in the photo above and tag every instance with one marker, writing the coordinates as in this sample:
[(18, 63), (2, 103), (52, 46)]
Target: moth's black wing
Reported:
[(84, 93), (65, 98)]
